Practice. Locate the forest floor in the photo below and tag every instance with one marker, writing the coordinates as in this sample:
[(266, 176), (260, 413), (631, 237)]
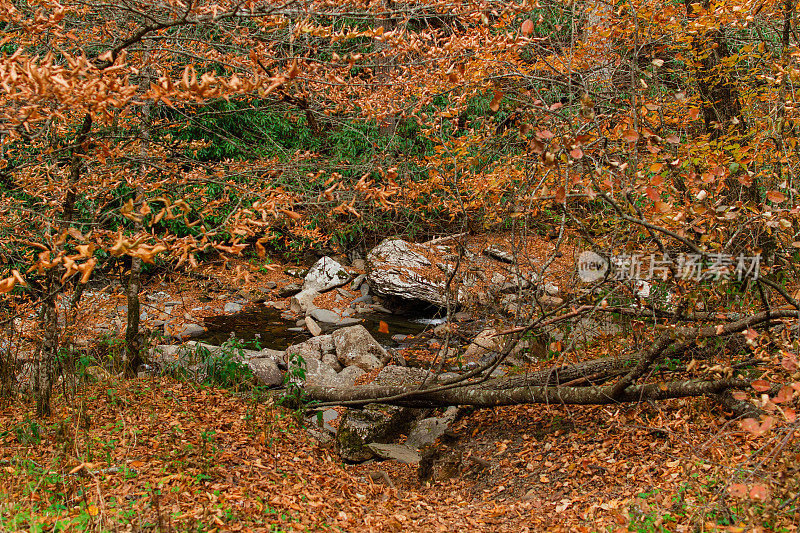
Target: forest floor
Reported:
[(157, 453)]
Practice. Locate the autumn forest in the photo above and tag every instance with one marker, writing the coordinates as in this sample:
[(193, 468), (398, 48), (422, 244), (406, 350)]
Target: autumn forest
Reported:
[(399, 265)]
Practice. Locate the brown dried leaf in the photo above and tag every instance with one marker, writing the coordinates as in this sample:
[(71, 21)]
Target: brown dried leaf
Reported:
[(527, 27), (494, 105)]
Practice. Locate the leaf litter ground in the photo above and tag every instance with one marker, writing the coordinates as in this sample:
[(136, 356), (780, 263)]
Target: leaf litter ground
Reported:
[(157, 454)]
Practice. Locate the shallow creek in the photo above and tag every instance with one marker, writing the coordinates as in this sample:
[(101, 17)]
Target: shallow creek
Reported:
[(273, 331)]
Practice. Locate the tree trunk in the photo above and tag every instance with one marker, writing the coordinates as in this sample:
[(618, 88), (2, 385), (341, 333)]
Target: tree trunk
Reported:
[(8, 367), (488, 397), (47, 353), (133, 344), (45, 363), (133, 348), (543, 387), (720, 103)]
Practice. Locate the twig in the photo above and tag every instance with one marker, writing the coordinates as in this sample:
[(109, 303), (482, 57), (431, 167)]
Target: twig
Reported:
[(444, 239)]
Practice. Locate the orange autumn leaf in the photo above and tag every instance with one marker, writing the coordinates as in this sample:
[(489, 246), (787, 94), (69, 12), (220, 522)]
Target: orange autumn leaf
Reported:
[(776, 197), (630, 135), (291, 214), (494, 105), (527, 27)]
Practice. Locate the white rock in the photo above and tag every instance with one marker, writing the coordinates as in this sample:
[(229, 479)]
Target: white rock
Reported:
[(642, 288), (495, 252), (232, 307), (303, 301), (324, 275), (397, 268), (551, 289)]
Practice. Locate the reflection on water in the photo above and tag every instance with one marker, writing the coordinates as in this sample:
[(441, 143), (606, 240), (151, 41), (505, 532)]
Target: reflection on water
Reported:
[(429, 321), (277, 333), (274, 331)]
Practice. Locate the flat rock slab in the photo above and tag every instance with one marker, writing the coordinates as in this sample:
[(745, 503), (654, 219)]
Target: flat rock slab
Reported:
[(324, 316), (397, 452), (190, 331)]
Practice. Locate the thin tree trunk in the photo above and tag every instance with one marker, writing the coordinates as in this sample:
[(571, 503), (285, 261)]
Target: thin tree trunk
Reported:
[(47, 353), (45, 364), (133, 348), (721, 105), (133, 338)]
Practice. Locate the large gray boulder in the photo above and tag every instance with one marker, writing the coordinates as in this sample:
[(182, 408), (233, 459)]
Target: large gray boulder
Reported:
[(315, 362), (401, 376), (399, 269), (356, 347), (266, 371)]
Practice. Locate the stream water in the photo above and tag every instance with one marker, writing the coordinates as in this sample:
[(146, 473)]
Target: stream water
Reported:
[(273, 331)]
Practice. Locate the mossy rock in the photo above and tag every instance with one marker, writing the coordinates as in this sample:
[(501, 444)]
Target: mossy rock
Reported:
[(375, 423)]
